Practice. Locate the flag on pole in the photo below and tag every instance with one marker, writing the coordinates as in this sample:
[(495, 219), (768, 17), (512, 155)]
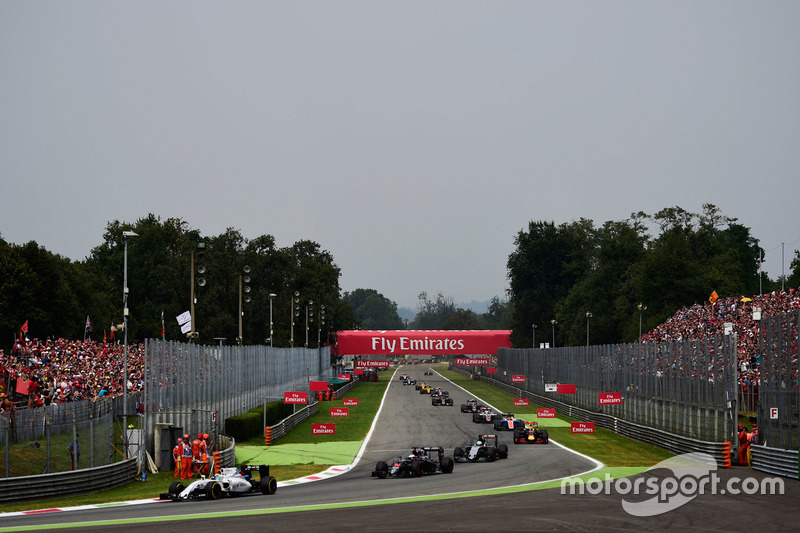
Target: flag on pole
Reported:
[(88, 324), (23, 329), (112, 332), (104, 337), (162, 326), (713, 297)]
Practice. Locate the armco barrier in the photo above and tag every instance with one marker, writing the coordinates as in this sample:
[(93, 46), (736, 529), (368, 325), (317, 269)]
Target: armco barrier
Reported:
[(675, 444), (290, 422), (775, 461), (62, 484)]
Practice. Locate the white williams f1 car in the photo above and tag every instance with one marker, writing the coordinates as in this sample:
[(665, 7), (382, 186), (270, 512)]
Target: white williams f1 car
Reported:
[(230, 482)]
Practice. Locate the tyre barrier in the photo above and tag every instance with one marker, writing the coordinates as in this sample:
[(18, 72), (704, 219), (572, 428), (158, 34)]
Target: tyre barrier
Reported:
[(267, 436), (217, 462), (726, 454)]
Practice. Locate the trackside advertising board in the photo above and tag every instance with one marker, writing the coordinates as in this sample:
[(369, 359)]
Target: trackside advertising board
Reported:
[(545, 413), (323, 429), (609, 398), (340, 411), (411, 342), (295, 397), (368, 363), (475, 361), (582, 427)]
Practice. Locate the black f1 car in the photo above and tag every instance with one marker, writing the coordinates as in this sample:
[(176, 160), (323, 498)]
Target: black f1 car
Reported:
[(422, 461), (470, 407), (530, 434), (441, 397), (485, 447)]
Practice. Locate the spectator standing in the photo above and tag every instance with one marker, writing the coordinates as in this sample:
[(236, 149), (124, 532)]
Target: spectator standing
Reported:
[(74, 449)]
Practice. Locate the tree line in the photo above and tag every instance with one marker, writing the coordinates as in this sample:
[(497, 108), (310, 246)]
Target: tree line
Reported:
[(569, 278), (557, 273)]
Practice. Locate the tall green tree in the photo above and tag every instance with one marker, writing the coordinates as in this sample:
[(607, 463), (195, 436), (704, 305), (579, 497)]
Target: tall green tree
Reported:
[(373, 309)]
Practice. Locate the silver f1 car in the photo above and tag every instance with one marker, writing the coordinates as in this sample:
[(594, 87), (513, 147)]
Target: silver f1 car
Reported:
[(230, 482)]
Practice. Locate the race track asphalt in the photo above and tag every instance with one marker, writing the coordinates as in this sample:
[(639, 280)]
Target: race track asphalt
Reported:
[(357, 502)]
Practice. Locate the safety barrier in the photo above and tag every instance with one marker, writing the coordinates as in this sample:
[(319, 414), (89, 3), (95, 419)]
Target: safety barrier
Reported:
[(217, 462), (726, 454), (287, 424), (775, 461), (62, 484), (267, 436)]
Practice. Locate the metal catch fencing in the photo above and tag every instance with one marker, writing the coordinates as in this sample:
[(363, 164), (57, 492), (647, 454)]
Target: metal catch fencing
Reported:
[(195, 387), (686, 388)]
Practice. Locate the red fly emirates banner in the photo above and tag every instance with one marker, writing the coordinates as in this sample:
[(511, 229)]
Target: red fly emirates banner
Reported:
[(422, 342)]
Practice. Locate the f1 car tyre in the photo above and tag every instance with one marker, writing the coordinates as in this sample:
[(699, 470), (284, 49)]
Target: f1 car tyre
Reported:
[(416, 469), (464, 408), (175, 488), (382, 469), (269, 486), (458, 452), (502, 451), (517, 434), (491, 454), (545, 437), (214, 491), (447, 465)]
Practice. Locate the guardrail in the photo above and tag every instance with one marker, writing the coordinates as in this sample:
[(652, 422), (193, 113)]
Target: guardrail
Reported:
[(290, 422), (61, 484), (775, 461), (674, 443)]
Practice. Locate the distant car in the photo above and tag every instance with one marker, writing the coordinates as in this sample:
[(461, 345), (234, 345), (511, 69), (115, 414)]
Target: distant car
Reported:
[(507, 422), (403, 377), (485, 447), (229, 482), (428, 372), (483, 415), (422, 461), (425, 389), (409, 381), (530, 433), (441, 397), (470, 407)]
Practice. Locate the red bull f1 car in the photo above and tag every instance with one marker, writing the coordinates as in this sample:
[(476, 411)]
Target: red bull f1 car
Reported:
[(530, 434)]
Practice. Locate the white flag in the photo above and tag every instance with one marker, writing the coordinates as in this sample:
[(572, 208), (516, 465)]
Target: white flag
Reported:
[(186, 328), (183, 318)]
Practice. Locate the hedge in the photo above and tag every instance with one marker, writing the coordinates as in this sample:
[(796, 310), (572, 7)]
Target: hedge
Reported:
[(251, 423)]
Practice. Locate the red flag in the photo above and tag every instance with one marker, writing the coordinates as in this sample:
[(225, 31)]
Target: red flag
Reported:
[(24, 327), (713, 297), (162, 325), (104, 336), (112, 333)]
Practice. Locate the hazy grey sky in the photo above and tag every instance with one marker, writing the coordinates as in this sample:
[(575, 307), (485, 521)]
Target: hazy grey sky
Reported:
[(412, 140)]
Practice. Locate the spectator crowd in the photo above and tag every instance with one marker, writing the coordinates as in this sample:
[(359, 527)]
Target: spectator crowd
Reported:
[(37, 373)]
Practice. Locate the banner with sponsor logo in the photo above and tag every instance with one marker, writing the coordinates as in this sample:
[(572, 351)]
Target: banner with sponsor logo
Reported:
[(340, 411), (517, 379), (609, 398), (368, 363), (350, 401), (475, 361), (519, 402), (345, 377), (295, 397), (323, 429), (546, 413), (491, 370), (566, 389), (404, 342), (582, 427)]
